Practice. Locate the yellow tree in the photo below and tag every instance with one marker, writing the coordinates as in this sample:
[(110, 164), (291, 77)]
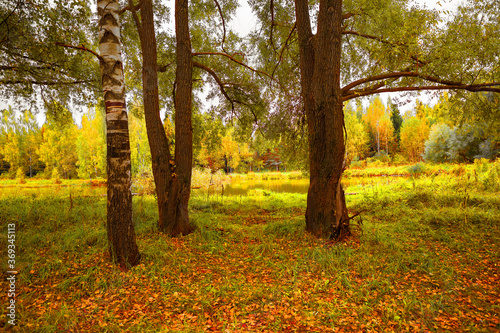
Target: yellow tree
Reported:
[(379, 124), (91, 145), (58, 143), (139, 147), (357, 140), (58, 150), (414, 133)]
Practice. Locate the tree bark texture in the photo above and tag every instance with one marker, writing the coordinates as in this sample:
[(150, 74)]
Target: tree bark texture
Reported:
[(120, 228), (183, 124), (167, 185), (172, 176), (320, 54)]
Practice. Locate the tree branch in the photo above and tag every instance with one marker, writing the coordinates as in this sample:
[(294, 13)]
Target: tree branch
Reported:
[(81, 47), (136, 18), (223, 24), (134, 8), (347, 16), (355, 33), (15, 68), (216, 78), (239, 63), (271, 40), (283, 49), (43, 83), (223, 88), (397, 75), (164, 67), (472, 88)]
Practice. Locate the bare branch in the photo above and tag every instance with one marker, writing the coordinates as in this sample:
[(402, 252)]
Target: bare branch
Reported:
[(223, 24), (136, 18), (81, 47), (283, 49), (472, 88), (164, 67), (232, 59), (223, 89), (44, 83), (216, 78), (134, 8), (347, 16)]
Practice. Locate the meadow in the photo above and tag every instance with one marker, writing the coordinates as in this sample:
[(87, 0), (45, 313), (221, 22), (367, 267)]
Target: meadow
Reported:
[(424, 257)]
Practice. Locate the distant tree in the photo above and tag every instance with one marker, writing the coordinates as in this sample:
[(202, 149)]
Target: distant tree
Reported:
[(414, 133), (91, 145), (379, 124), (470, 142), (58, 143), (396, 119), (19, 141), (139, 147), (357, 140), (438, 145)]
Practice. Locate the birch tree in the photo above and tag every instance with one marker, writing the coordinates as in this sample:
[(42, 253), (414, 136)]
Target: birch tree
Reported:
[(120, 227)]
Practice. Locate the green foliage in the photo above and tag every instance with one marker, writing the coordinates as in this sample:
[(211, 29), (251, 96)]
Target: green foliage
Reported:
[(34, 65), (357, 140), (468, 142), (396, 118), (19, 138), (57, 148), (416, 169), (437, 146)]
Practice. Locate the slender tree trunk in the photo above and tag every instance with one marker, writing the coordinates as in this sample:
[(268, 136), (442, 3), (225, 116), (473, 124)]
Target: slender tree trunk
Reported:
[(120, 227), (326, 214), (168, 175)]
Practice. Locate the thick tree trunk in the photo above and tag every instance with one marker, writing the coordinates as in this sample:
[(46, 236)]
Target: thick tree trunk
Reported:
[(172, 201), (120, 227), (326, 214), (183, 125)]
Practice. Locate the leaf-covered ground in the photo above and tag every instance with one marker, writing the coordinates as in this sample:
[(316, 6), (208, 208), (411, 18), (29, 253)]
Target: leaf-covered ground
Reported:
[(425, 260)]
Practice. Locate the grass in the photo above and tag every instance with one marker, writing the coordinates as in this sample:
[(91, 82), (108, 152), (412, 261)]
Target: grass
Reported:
[(426, 260)]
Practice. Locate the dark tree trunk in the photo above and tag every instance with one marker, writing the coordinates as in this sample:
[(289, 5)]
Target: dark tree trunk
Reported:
[(326, 214), (120, 227), (172, 208), (183, 124)]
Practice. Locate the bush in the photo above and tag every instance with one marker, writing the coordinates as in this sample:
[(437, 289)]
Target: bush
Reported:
[(20, 176), (416, 169), (56, 176), (438, 145), (399, 159)]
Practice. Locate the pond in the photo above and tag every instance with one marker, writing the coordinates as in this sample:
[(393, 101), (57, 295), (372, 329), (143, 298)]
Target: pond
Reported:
[(238, 187), (235, 188), (55, 189)]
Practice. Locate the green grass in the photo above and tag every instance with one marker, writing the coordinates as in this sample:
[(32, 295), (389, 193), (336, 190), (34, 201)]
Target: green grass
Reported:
[(426, 259)]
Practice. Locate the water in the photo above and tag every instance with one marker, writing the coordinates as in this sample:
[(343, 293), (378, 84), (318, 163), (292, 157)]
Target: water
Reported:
[(237, 187), (55, 190)]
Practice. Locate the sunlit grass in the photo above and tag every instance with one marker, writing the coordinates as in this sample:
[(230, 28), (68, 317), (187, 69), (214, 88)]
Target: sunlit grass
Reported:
[(425, 259)]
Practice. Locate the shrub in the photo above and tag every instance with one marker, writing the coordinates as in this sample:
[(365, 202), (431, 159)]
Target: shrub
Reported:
[(416, 169)]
